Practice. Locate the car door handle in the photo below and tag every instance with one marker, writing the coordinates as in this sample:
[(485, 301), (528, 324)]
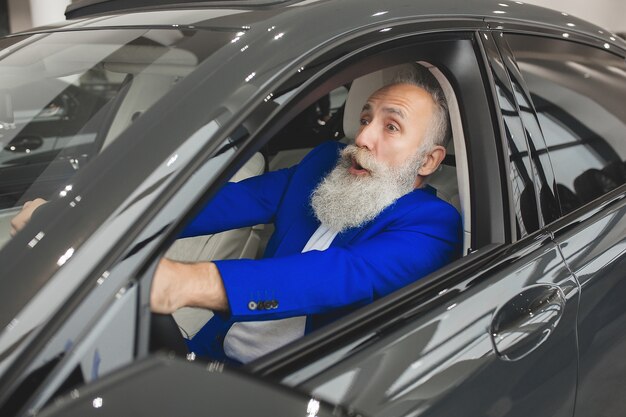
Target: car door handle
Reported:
[(526, 321)]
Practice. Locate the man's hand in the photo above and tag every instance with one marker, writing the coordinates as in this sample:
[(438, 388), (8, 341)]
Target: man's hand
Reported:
[(177, 284), (23, 217)]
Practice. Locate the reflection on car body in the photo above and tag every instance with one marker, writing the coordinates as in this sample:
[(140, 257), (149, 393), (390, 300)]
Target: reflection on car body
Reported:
[(179, 98)]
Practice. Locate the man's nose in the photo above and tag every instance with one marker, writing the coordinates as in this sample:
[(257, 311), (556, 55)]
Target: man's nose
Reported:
[(365, 138)]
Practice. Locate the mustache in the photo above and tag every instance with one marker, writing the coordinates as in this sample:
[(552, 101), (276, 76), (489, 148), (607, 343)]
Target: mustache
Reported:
[(360, 156)]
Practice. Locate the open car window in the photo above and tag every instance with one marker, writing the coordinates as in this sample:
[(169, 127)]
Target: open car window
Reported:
[(328, 117)]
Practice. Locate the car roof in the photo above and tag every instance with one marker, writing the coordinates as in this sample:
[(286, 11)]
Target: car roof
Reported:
[(354, 13), (89, 7)]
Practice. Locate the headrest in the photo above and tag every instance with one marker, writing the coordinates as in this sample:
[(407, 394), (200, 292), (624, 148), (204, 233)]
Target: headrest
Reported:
[(360, 90)]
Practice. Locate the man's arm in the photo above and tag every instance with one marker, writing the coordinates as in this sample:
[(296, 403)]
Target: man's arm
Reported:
[(255, 200), (177, 285), (240, 204), (316, 282), (248, 202), (321, 281)]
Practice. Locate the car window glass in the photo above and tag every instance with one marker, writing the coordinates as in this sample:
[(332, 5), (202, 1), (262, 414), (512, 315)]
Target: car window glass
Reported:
[(572, 87), (65, 96)]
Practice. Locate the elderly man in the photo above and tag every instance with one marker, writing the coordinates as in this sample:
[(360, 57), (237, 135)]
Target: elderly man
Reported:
[(353, 224)]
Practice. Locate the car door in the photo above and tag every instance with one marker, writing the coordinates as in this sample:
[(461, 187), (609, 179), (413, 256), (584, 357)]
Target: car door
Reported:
[(578, 91), (492, 334), (162, 386)]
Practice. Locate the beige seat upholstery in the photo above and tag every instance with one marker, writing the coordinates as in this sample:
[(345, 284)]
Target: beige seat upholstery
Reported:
[(288, 158), (444, 180), (232, 244)]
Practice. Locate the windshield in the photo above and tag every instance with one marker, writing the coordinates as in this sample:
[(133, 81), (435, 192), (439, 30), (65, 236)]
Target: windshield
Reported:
[(65, 96)]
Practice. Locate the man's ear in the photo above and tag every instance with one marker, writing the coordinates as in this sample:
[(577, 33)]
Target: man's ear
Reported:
[(432, 161)]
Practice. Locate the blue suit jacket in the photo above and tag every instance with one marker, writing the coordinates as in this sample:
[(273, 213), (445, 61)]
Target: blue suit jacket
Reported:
[(416, 235)]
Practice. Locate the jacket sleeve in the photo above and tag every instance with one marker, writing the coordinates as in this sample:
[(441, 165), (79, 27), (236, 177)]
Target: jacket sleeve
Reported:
[(317, 282), (249, 202), (254, 200)]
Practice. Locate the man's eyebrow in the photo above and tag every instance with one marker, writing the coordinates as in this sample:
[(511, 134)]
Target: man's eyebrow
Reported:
[(394, 110)]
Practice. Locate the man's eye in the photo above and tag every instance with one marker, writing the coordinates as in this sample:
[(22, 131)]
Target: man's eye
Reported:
[(392, 127), (364, 122)]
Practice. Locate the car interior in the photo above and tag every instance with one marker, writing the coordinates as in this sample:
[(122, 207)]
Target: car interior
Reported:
[(451, 181)]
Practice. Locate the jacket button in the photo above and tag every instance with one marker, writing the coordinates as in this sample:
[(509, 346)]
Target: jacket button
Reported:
[(274, 304), (252, 305), (262, 305)]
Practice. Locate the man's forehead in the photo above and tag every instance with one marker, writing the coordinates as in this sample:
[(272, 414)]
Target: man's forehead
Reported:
[(398, 98)]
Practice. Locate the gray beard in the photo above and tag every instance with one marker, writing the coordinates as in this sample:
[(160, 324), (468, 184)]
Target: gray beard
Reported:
[(343, 200)]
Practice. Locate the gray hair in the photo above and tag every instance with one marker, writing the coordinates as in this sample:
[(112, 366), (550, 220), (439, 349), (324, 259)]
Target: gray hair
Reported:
[(439, 130)]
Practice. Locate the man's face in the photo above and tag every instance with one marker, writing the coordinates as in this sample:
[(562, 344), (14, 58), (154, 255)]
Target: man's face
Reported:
[(394, 123), (384, 162)]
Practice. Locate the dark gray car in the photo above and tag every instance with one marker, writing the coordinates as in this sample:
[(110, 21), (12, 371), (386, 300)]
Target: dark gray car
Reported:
[(130, 117)]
